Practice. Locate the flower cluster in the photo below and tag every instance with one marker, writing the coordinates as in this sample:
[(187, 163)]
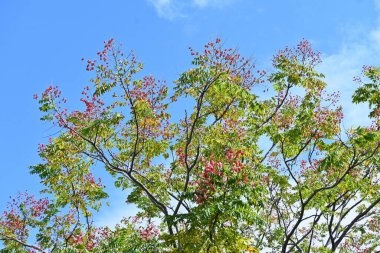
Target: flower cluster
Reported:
[(108, 46), (181, 155), (217, 175), (146, 230), (103, 55), (22, 212), (94, 106), (149, 232), (147, 95), (303, 53), (92, 238), (228, 61), (51, 101)]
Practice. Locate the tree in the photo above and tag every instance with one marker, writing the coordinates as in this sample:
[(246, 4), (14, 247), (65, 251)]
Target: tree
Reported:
[(257, 162)]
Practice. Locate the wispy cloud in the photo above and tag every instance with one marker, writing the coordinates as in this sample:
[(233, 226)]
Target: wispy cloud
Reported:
[(168, 9), (361, 47), (171, 9)]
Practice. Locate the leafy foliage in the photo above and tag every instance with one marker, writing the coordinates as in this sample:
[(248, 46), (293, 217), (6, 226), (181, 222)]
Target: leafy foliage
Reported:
[(243, 170)]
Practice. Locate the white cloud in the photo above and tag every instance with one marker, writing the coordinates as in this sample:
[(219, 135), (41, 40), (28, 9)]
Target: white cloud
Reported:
[(171, 9), (168, 9), (361, 47)]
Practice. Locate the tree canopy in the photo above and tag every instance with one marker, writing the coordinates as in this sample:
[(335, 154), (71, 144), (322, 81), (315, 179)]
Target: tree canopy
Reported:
[(258, 161)]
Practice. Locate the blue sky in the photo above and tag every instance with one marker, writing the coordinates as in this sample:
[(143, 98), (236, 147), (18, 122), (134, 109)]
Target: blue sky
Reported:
[(42, 42)]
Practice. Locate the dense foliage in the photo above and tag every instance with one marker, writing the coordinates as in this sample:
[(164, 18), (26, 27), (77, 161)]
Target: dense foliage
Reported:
[(257, 161)]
